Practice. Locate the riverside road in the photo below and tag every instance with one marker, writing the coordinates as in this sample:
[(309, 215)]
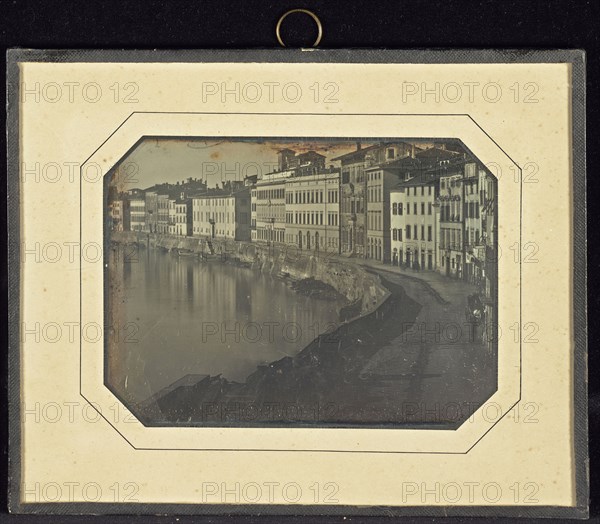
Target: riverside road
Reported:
[(443, 360)]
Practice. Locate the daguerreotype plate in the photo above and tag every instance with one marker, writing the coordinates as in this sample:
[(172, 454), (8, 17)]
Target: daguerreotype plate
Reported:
[(291, 282)]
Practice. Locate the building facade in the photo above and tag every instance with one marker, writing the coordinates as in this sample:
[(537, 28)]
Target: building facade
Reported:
[(489, 238), (420, 242), (269, 201), (354, 192), (162, 222), (452, 247), (183, 217), (397, 225), (303, 164), (381, 179), (474, 252), (151, 212), (312, 211), (137, 213), (117, 214), (253, 214), (172, 213), (222, 215)]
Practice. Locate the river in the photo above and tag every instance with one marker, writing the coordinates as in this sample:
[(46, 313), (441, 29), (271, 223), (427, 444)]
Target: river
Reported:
[(172, 316)]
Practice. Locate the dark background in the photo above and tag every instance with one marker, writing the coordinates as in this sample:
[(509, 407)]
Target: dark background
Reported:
[(404, 24)]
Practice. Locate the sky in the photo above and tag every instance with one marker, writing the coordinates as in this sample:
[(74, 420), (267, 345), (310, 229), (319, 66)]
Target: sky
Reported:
[(155, 161)]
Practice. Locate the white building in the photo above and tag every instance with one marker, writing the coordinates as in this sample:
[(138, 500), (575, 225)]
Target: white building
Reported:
[(222, 214), (137, 213), (312, 205), (183, 217), (419, 243), (269, 201)]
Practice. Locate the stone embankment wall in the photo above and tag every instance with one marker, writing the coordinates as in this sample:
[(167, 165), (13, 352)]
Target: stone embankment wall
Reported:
[(363, 290)]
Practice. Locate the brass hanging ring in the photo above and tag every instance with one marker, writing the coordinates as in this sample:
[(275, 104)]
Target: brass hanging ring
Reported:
[(306, 12)]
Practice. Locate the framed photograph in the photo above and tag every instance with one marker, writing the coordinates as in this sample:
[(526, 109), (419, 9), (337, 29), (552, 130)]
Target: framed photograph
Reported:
[(289, 282)]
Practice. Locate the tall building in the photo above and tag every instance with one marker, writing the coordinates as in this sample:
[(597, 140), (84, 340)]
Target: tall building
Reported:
[(117, 213), (137, 213), (162, 222), (353, 191), (419, 243), (285, 159), (172, 215), (397, 225), (183, 217), (474, 254), (312, 211), (151, 212), (307, 163), (489, 237), (452, 224), (381, 179), (269, 201)]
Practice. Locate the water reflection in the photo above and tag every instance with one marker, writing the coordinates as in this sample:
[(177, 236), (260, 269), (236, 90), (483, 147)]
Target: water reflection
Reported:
[(196, 317)]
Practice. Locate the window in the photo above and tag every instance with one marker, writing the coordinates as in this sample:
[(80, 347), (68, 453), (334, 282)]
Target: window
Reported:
[(394, 208), (395, 234), (422, 190), (429, 233), (415, 208), (415, 235), (422, 208), (429, 208), (400, 235), (408, 232), (400, 208), (408, 209), (390, 154), (422, 232)]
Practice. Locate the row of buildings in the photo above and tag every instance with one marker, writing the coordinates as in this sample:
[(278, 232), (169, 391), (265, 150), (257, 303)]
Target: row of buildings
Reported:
[(428, 208), (187, 208)]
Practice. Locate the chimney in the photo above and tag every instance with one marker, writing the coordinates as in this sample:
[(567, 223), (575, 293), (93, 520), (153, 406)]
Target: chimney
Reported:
[(358, 146)]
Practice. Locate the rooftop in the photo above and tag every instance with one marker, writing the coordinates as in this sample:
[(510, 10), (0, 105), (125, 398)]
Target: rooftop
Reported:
[(440, 153), (422, 179)]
